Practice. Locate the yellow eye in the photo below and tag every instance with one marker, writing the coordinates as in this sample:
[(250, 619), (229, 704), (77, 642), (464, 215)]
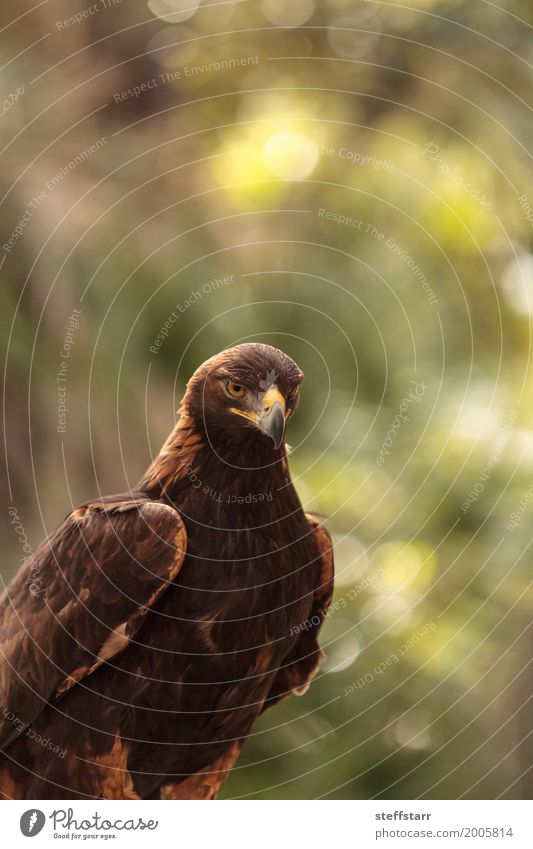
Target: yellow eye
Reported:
[(235, 390)]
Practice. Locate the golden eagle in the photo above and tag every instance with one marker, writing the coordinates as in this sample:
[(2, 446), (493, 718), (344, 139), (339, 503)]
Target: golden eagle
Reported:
[(147, 634)]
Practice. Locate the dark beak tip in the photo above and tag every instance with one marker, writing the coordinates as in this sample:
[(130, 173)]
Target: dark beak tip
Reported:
[(275, 425), (277, 440)]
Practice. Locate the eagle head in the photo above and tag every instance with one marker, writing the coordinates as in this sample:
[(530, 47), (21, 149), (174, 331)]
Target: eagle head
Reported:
[(251, 387)]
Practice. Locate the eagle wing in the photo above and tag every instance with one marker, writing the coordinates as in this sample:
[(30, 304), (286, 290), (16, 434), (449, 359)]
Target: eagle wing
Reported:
[(301, 665), (81, 598)]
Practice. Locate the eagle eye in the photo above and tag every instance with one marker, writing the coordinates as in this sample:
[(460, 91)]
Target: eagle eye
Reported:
[(292, 400), (235, 390)]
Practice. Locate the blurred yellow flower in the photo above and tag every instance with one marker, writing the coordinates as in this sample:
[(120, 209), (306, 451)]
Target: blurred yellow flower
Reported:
[(290, 156)]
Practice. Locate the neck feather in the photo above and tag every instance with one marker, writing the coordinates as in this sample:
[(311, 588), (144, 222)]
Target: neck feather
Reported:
[(243, 469)]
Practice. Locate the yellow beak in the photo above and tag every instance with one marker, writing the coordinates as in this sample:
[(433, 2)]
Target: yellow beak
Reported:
[(270, 416)]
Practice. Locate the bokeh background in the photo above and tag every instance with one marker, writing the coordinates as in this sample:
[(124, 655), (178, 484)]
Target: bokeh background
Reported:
[(349, 180)]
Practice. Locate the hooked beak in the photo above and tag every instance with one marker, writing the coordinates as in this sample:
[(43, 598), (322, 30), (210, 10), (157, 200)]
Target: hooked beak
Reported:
[(270, 415), (271, 419)]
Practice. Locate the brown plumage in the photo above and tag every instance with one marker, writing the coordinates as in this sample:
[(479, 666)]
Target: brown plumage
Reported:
[(152, 628)]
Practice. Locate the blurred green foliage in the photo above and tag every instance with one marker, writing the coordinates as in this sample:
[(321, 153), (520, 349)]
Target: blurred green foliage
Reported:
[(413, 123)]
